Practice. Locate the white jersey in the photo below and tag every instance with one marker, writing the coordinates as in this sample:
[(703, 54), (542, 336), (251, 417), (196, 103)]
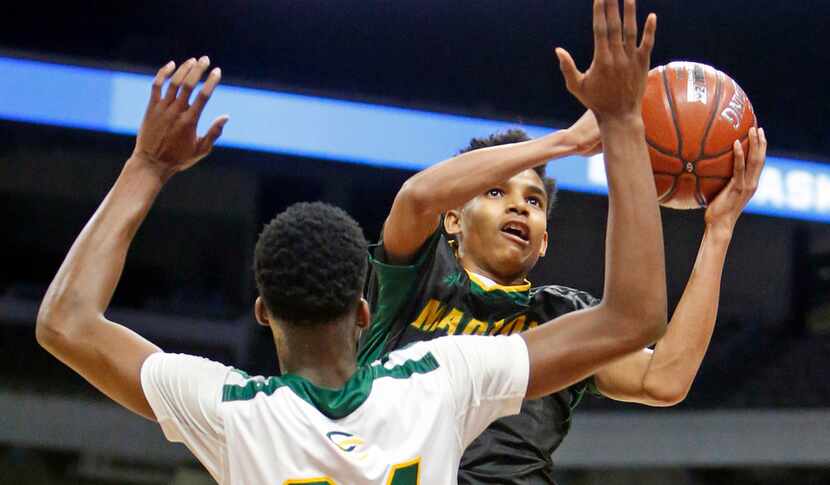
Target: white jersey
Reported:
[(403, 420)]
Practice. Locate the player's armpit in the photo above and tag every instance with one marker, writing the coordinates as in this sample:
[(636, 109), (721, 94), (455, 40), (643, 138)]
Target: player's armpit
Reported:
[(578, 344), (108, 355)]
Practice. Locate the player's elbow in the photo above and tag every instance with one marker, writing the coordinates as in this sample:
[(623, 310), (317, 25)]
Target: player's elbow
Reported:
[(415, 195), (47, 332), (665, 394), (55, 323)]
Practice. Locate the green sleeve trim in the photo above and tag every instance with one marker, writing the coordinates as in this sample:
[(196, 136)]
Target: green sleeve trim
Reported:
[(396, 286)]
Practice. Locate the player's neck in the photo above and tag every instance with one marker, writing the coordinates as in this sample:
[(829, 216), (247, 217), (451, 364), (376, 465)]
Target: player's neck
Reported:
[(321, 354), (504, 280)]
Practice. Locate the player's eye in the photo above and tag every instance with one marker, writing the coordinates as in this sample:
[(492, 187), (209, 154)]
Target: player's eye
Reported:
[(534, 201), (495, 193)]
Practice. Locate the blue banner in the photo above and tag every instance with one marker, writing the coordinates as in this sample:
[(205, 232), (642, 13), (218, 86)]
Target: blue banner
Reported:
[(386, 136)]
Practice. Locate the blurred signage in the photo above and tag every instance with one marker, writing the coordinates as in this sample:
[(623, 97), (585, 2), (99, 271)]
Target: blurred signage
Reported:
[(386, 136)]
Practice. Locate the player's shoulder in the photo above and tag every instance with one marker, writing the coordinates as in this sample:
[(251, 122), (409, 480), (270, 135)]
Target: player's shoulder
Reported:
[(185, 365), (448, 350), (435, 351), (578, 299)]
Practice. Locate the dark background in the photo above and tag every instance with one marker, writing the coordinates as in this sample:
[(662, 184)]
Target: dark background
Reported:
[(190, 264), (483, 57)]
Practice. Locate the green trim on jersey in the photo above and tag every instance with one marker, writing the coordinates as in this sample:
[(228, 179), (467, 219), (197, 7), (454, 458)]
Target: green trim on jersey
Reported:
[(333, 403), (400, 281), (521, 298)]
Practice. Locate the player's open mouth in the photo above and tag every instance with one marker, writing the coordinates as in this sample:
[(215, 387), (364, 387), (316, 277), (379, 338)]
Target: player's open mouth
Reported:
[(517, 232)]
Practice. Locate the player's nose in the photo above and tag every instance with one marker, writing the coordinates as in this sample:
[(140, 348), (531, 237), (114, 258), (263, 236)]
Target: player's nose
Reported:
[(517, 205)]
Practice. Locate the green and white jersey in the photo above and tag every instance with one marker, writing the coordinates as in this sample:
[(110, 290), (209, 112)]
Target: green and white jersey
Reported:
[(402, 420)]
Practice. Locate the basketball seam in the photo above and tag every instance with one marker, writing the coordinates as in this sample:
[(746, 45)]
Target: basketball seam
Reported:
[(668, 195), (659, 149), (706, 156), (701, 199), (675, 121), (718, 94)]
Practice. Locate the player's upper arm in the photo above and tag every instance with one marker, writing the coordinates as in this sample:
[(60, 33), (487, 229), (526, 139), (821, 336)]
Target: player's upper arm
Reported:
[(410, 223), (106, 354), (185, 393), (488, 378)]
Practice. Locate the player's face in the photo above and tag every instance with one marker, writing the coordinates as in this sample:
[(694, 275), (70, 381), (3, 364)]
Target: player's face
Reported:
[(503, 231)]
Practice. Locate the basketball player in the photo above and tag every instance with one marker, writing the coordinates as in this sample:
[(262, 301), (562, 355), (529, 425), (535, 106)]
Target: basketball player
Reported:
[(328, 420), (462, 236)]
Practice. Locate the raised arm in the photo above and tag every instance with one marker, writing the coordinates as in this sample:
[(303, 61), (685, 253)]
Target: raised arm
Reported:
[(632, 313), (422, 199), (71, 324), (663, 377)]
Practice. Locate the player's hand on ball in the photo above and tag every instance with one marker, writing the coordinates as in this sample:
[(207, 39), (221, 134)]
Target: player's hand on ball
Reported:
[(167, 138), (584, 135), (614, 84), (724, 211)]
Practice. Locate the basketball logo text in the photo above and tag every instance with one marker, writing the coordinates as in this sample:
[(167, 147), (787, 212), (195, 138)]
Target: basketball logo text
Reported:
[(696, 90), (734, 111)]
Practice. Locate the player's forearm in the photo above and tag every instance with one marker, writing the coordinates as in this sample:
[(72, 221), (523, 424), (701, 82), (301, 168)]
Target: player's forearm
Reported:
[(451, 183), (635, 263), (85, 282), (678, 355)]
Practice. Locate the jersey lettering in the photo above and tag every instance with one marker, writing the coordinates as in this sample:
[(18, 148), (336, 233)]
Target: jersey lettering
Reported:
[(435, 317), (406, 473)]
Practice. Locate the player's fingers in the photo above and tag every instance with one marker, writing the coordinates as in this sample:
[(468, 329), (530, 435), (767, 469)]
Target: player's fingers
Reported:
[(738, 173), (647, 43), (158, 81), (601, 50), (568, 68), (612, 17), (763, 137), (190, 82), (757, 154), (630, 25), (206, 142), (758, 163), (206, 92), (176, 80)]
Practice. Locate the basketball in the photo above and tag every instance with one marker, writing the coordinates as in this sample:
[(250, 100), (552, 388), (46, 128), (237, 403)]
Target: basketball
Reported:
[(693, 114)]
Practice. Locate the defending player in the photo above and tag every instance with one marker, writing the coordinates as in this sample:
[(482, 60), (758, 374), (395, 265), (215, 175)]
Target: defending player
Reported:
[(495, 201), (328, 420)]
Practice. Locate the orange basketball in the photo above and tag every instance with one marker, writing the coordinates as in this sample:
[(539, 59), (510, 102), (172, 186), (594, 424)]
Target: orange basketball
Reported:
[(693, 113)]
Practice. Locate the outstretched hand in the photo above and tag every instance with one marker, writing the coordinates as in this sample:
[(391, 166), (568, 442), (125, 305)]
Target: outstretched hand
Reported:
[(724, 211), (167, 138), (614, 84)]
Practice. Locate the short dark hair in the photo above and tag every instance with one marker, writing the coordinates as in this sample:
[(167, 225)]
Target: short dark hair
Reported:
[(515, 135), (310, 263)]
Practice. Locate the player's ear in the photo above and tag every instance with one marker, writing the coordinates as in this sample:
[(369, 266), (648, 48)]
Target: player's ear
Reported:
[(543, 249), (452, 222), (261, 312), (364, 316)]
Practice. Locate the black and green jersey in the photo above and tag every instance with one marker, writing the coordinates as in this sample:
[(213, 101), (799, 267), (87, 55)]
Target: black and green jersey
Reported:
[(435, 296)]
